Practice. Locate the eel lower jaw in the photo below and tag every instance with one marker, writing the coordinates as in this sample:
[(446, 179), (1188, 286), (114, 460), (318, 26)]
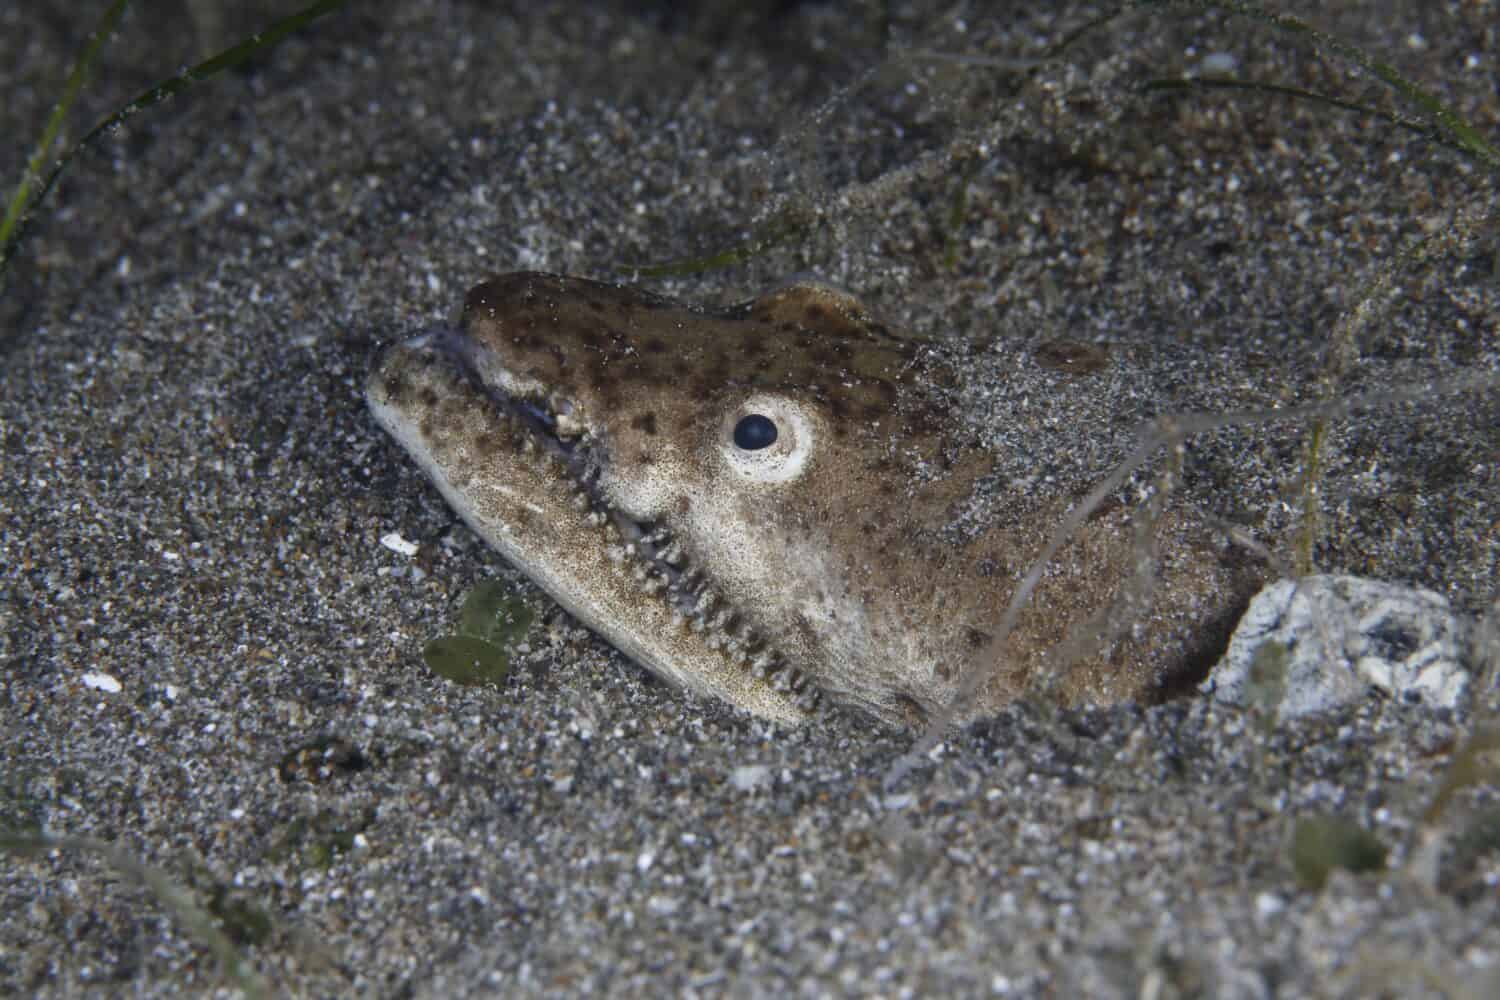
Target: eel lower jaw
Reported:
[(663, 567)]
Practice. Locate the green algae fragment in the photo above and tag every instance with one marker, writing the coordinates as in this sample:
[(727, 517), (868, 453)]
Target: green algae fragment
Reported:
[(1322, 843), (492, 621), (493, 612), (465, 659), (242, 921)]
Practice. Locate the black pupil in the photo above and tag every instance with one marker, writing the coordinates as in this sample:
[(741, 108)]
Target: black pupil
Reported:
[(754, 432)]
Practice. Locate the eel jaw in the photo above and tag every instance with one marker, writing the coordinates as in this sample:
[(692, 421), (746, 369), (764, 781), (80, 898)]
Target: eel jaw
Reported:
[(522, 472)]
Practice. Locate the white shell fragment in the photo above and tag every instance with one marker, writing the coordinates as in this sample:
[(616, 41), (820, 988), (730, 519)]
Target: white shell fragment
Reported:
[(1321, 642), (750, 777), (393, 541), (97, 681)]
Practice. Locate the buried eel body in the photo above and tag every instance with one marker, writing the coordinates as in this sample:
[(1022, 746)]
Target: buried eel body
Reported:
[(758, 503)]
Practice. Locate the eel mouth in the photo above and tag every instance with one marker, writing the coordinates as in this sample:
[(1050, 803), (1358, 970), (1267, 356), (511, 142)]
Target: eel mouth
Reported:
[(553, 434)]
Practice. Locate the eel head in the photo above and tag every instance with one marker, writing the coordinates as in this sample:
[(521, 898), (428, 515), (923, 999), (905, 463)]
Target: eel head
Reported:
[(753, 503)]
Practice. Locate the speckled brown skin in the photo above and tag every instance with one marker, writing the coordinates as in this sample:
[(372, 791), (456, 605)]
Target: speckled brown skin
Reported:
[(831, 553)]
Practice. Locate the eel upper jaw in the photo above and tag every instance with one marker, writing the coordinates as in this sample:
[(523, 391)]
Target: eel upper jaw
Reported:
[(558, 428)]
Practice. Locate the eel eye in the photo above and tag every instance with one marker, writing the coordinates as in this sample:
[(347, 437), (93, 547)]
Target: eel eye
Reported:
[(767, 438), (754, 432)]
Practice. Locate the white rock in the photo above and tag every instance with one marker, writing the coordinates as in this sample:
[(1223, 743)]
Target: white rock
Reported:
[(1337, 636), (393, 541), (750, 777), (1269, 905), (101, 682)]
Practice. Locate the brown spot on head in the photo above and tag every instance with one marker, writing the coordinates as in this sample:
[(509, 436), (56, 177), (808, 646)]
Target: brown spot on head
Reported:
[(395, 385), (718, 371), (645, 423)]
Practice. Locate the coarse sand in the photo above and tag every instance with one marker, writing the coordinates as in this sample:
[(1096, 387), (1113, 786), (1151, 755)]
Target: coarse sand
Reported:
[(211, 661)]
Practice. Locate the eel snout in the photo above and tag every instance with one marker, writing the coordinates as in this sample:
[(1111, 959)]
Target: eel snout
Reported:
[(500, 463)]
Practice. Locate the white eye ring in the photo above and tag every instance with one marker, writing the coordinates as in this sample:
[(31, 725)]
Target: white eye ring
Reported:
[(768, 439)]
